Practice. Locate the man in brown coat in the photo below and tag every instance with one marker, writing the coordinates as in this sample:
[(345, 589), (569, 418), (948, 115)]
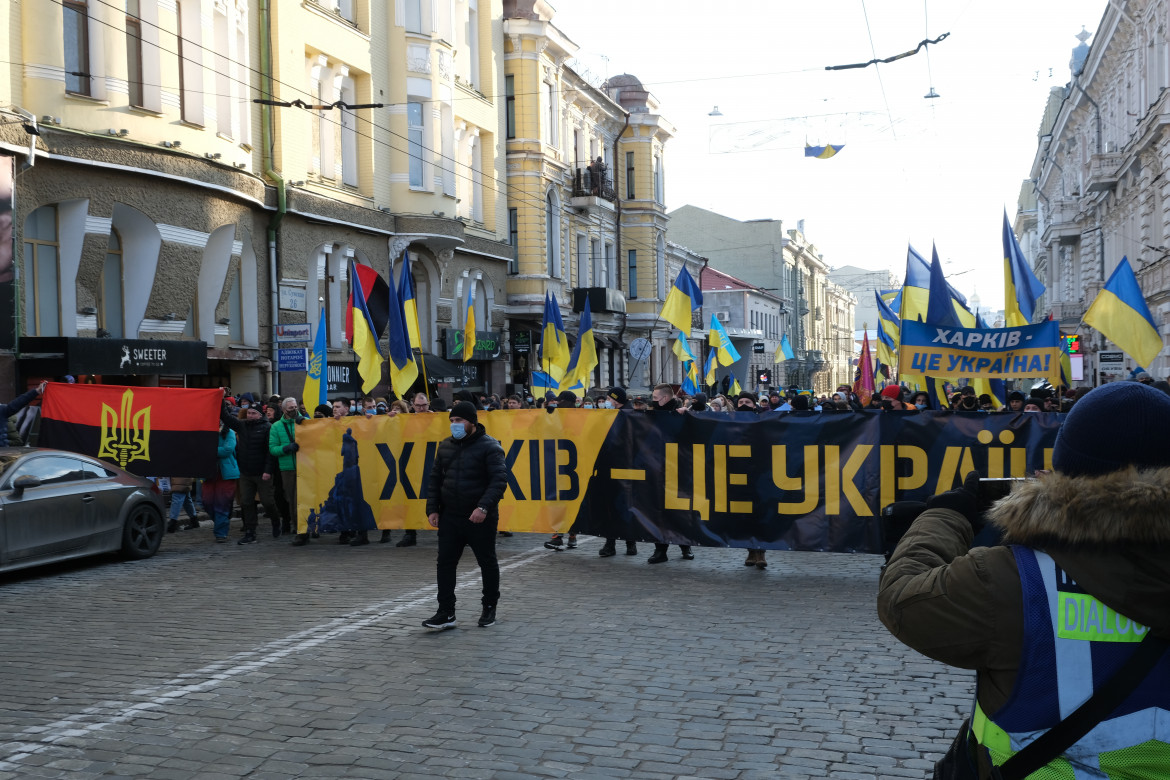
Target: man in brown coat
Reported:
[(1083, 578)]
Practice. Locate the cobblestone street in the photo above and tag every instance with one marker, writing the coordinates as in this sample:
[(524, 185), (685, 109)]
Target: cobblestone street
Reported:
[(267, 661)]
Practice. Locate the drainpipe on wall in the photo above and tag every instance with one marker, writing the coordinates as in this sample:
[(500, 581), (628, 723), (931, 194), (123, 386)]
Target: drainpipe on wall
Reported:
[(617, 200), (268, 153)]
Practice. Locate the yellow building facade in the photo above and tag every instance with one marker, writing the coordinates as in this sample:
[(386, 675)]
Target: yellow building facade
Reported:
[(158, 200), (585, 202)]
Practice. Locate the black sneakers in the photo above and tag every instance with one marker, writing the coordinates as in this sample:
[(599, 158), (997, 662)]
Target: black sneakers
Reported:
[(555, 543), (631, 548), (248, 538), (572, 543), (410, 539), (607, 549), (685, 549), (300, 540), (487, 618), (441, 620)]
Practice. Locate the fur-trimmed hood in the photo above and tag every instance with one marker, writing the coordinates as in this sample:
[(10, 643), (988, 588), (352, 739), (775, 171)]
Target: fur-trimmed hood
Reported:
[(1125, 508), (1111, 533)]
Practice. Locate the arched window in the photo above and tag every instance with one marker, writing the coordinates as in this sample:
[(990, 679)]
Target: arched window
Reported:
[(552, 218), (42, 291), (110, 310)]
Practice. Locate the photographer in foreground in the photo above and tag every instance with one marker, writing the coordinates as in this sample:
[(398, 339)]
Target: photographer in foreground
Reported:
[(1056, 619)]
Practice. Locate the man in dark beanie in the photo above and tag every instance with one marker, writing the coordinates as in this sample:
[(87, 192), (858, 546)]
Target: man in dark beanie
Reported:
[(699, 403), (1077, 592), (1015, 401), (467, 481)]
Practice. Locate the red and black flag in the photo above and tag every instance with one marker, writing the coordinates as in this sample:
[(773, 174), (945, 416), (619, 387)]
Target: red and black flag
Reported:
[(377, 295), (149, 431)]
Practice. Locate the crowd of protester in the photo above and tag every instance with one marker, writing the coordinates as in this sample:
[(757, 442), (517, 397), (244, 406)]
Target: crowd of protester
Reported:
[(257, 452)]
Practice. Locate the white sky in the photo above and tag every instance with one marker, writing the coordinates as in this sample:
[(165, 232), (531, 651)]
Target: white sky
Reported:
[(942, 170)]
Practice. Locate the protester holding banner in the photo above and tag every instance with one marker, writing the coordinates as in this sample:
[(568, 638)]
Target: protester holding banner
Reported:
[(467, 481), (662, 400), (282, 444), (616, 398), (1072, 605), (14, 406), (219, 492), (255, 465)]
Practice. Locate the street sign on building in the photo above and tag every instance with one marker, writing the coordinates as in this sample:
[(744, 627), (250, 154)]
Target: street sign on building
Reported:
[(292, 359), (292, 298)]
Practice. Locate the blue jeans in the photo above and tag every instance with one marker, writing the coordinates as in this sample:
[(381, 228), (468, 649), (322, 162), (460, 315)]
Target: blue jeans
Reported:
[(182, 500)]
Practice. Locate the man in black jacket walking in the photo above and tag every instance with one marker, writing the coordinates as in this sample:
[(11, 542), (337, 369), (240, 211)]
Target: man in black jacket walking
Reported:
[(463, 495), (256, 467)]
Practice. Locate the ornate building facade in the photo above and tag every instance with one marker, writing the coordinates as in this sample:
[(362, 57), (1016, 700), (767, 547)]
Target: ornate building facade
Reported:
[(1098, 186)]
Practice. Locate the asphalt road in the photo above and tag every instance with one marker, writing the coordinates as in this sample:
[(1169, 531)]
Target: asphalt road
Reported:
[(268, 661)]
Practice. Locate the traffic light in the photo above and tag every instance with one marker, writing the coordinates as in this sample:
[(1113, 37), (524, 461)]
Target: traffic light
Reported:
[(765, 377)]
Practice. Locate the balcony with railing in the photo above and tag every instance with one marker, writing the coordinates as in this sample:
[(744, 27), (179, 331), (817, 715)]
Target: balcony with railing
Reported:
[(1103, 171), (592, 188)]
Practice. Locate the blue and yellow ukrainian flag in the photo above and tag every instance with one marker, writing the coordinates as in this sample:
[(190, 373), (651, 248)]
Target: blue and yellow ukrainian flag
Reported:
[(1120, 313), (584, 357), (709, 370), (409, 305), (554, 344), (690, 382), (684, 297), (314, 393), (784, 351), (403, 369), (725, 353), (365, 342), (469, 322), (1021, 288), (889, 333), (822, 152), (735, 388)]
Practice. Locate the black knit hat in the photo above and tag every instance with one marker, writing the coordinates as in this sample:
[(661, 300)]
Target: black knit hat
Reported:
[(1096, 439), (618, 395), (466, 410)]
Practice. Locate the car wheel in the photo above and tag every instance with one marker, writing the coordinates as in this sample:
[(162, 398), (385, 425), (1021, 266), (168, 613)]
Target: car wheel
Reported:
[(143, 532)]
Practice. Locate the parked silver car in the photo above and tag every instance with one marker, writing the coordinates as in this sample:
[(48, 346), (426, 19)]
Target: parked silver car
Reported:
[(56, 505)]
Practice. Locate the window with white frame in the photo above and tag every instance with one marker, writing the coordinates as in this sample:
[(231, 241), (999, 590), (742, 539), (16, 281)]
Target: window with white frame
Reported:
[(552, 119), (582, 261), (595, 261), (414, 16), (349, 135), (473, 42), (75, 17), (190, 53), (414, 134), (552, 220), (134, 59), (223, 75)]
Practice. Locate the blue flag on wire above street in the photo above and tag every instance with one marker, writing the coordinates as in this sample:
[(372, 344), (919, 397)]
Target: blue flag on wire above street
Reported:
[(822, 152)]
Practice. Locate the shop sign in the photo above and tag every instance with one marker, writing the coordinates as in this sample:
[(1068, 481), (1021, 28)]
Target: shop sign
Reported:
[(298, 332), (488, 344)]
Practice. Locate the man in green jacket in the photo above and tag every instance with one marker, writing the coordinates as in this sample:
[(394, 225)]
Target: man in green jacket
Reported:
[(282, 443)]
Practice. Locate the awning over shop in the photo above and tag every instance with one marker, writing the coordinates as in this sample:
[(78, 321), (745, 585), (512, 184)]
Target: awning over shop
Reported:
[(441, 370)]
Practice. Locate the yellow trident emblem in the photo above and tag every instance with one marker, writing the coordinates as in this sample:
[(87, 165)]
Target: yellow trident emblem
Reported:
[(125, 436)]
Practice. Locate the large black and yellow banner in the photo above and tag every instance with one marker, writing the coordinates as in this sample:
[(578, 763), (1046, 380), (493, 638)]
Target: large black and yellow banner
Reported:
[(149, 431), (801, 481)]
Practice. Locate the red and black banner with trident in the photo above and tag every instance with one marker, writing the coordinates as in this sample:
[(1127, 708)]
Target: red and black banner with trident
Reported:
[(149, 431)]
